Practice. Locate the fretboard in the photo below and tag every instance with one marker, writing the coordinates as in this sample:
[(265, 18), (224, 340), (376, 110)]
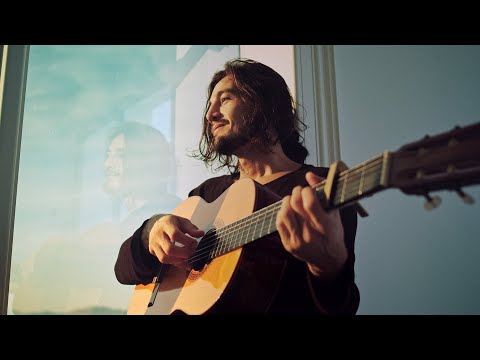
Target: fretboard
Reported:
[(350, 185)]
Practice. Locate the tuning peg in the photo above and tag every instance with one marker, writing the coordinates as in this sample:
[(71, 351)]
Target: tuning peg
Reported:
[(432, 202), (467, 199)]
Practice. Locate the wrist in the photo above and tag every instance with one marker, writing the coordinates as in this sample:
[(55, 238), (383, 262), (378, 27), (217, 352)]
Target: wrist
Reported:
[(147, 228), (328, 270)]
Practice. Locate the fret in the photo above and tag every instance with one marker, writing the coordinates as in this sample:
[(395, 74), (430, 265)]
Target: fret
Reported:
[(240, 229), (234, 233), (225, 245), (254, 229), (237, 242), (243, 236), (235, 237), (342, 198), (273, 212), (373, 179), (252, 226), (360, 187), (267, 216), (385, 168), (229, 238), (265, 211)]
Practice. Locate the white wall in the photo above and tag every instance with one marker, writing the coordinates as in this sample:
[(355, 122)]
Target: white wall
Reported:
[(278, 57), (410, 261)]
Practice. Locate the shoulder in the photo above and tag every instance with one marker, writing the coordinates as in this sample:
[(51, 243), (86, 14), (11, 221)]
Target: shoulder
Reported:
[(212, 188), (214, 182)]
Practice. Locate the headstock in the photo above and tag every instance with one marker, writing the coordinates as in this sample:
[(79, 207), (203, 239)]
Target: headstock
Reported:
[(447, 161)]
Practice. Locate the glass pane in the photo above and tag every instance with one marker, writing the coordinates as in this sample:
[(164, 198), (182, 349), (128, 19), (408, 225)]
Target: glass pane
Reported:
[(106, 137)]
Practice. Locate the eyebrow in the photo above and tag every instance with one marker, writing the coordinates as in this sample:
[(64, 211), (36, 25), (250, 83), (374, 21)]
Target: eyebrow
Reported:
[(232, 90)]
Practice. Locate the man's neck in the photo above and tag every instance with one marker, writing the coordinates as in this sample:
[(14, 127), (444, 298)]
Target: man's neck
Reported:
[(266, 167)]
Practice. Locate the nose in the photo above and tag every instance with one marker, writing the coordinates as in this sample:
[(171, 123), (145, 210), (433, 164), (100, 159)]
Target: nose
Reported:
[(213, 113)]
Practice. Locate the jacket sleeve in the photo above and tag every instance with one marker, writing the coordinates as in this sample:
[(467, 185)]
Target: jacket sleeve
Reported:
[(134, 264), (341, 295)]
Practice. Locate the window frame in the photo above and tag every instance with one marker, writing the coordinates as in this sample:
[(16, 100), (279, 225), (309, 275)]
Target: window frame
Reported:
[(14, 66)]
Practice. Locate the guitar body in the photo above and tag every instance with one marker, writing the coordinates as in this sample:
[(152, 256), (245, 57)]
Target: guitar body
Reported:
[(243, 281)]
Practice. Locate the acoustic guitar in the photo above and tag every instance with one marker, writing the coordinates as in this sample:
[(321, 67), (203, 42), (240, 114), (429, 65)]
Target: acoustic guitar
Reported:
[(229, 257)]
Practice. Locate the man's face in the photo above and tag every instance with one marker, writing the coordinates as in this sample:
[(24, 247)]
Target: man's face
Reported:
[(113, 165), (225, 117)]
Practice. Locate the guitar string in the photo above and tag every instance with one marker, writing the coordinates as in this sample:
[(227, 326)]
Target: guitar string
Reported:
[(224, 245), (356, 188), (348, 173), (341, 178), (211, 241), (206, 249)]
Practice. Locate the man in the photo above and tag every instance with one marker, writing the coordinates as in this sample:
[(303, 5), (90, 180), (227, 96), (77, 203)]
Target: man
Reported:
[(251, 126)]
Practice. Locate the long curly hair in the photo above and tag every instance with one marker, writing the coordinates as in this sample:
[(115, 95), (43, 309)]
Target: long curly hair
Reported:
[(270, 106)]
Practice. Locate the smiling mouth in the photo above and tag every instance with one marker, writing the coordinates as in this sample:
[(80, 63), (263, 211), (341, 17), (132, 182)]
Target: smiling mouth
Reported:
[(216, 127)]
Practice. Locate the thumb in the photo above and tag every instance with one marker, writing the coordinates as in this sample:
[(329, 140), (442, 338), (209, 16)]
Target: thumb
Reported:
[(312, 178)]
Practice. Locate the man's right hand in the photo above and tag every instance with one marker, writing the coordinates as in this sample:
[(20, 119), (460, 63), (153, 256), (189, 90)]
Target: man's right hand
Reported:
[(170, 242)]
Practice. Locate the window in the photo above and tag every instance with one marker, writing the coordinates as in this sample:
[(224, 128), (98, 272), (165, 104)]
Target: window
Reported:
[(106, 135), (106, 132)]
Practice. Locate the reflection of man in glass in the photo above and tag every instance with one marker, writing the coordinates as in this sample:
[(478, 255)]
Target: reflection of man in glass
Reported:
[(138, 164), (76, 276)]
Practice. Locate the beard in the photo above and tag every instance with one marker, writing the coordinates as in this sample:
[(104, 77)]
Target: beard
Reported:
[(228, 144)]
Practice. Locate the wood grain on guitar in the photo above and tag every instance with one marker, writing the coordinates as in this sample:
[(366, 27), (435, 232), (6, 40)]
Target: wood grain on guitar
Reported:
[(229, 256)]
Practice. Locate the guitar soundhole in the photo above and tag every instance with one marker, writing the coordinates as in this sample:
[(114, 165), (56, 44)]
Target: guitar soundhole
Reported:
[(206, 249)]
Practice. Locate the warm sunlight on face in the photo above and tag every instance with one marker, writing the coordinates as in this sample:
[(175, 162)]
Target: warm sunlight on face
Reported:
[(225, 116)]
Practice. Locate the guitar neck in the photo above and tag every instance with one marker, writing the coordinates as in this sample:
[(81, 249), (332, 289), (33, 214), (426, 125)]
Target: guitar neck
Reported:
[(350, 185), (447, 161)]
